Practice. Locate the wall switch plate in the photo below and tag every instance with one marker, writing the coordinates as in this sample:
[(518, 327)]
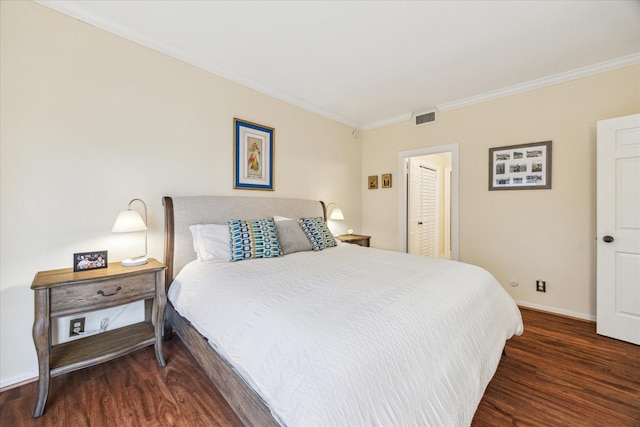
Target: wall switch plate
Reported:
[(76, 327), (541, 286)]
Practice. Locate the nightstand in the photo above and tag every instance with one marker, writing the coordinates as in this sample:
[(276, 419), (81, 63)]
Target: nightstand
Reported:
[(64, 292), (356, 239)]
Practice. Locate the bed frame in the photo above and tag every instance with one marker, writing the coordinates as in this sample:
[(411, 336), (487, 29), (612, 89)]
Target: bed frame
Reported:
[(179, 214)]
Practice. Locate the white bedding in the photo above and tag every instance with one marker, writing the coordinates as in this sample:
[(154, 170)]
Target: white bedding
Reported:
[(353, 336)]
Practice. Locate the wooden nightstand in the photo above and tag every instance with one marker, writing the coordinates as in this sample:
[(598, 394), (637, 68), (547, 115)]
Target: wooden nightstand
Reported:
[(64, 292), (356, 239)]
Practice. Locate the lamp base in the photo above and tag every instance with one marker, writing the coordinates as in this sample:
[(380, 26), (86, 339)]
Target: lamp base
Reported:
[(132, 262)]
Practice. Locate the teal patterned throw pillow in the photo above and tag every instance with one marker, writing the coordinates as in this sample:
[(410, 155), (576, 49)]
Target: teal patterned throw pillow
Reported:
[(253, 239), (317, 232)]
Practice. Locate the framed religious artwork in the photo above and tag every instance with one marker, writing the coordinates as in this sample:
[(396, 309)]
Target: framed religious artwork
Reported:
[(386, 180), (253, 156), (372, 182)]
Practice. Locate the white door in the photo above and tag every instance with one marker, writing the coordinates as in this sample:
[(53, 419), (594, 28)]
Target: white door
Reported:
[(423, 209), (618, 228)]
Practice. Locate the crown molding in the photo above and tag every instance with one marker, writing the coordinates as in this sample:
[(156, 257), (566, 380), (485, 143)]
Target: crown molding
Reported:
[(555, 79), (579, 73)]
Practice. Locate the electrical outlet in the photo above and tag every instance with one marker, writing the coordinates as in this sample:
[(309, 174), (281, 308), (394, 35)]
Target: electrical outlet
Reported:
[(76, 327), (541, 286)]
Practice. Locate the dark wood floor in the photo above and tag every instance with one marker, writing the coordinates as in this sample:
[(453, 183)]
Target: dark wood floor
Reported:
[(559, 373)]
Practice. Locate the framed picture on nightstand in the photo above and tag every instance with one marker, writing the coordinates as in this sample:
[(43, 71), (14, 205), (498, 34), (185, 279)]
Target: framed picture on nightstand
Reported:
[(89, 260)]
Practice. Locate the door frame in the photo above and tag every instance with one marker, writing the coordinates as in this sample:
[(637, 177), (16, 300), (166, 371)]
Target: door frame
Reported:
[(402, 193)]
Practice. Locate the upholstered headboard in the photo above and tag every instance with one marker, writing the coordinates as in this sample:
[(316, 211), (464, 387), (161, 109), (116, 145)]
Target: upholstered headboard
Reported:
[(181, 212)]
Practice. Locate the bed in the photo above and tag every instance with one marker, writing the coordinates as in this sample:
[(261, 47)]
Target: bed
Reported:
[(341, 335)]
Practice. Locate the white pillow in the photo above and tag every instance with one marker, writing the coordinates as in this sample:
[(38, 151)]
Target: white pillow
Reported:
[(211, 242)]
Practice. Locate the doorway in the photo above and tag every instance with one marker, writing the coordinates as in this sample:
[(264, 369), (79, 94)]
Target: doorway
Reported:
[(428, 205), (428, 201)]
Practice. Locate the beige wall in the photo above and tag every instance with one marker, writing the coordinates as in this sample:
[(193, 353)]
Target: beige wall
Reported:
[(521, 235), (90, 121)]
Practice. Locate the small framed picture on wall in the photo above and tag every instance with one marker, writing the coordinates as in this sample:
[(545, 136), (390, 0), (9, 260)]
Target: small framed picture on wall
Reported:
[(386, 180), (373, 182)]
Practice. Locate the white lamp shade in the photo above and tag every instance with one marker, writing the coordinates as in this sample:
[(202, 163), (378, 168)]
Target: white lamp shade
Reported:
[(128, 221), (336, 214)]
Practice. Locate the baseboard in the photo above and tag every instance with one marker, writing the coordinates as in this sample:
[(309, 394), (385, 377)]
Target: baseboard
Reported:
[(556, 310), (17, 381)]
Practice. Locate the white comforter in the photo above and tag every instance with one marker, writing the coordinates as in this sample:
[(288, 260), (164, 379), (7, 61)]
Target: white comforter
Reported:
[(353, 336)]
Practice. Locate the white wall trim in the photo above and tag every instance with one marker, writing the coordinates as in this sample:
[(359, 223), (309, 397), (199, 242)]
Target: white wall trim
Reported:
[(555, 79), (556, 310), (17, 381), (402, 193), (579, 73)]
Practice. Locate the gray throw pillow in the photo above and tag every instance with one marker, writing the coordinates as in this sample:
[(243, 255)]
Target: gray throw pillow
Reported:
[(291, 237)]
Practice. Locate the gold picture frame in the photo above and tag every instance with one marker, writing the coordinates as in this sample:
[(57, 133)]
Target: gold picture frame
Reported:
[(386, 180)]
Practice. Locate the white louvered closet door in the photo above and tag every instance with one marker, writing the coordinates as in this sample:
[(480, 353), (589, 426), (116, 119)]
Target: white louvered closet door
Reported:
[(422, 209), (427, 204)]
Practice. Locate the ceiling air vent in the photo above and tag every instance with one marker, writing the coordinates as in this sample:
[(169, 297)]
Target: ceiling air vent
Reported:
[(425, 118)]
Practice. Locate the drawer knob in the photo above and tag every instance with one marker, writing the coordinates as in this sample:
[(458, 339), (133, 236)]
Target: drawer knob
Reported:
[(111, 294)]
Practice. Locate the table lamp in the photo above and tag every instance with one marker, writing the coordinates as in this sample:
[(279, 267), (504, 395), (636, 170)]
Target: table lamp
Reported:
[(130, 221), (336, 213)]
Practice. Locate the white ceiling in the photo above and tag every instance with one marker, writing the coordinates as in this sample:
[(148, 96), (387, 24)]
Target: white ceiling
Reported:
[(370, 63)]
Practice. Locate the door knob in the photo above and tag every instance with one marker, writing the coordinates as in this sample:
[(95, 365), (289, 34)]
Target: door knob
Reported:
[(608, 239)]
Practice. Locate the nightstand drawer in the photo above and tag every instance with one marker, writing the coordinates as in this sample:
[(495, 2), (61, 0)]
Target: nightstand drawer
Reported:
[(101, 294)]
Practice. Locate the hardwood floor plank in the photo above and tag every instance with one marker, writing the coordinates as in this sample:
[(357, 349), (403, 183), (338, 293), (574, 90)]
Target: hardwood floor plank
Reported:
[(558, 373), (200, 402)]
